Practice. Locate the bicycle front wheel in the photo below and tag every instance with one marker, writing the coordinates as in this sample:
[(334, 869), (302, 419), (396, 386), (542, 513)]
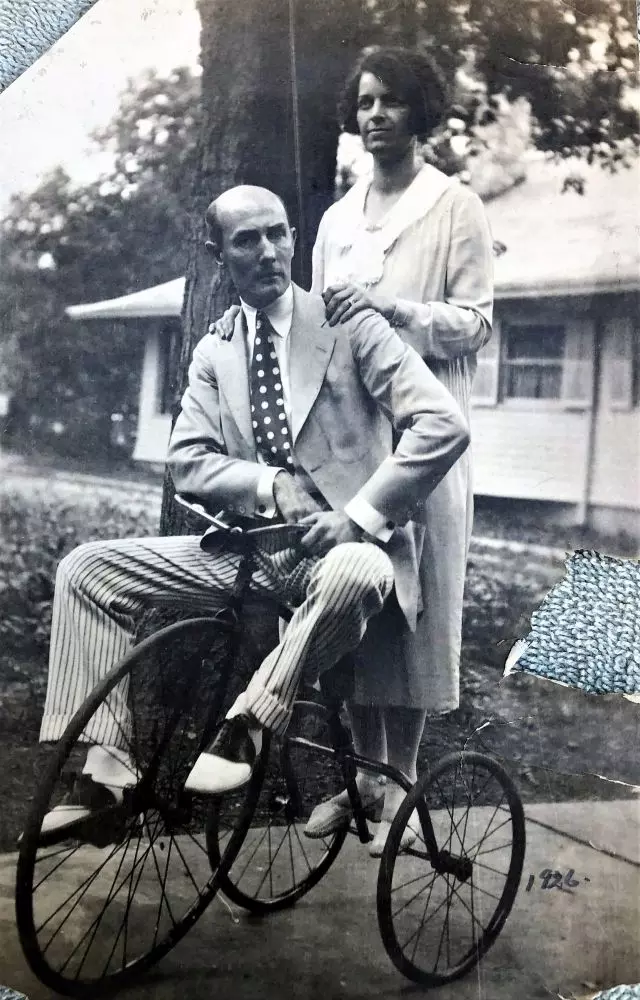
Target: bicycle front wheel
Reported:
[(440, 910), (107, 898)]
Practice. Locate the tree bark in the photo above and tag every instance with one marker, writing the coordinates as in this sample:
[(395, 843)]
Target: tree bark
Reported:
[(271, 74)]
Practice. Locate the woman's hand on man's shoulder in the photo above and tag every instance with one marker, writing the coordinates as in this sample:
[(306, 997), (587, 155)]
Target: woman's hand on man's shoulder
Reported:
[(225, 326)]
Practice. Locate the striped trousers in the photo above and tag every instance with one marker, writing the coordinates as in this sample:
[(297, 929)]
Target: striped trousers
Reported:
[(102, 587)]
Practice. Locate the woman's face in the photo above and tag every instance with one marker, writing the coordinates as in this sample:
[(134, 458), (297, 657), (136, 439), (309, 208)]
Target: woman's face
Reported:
[(383, 119)]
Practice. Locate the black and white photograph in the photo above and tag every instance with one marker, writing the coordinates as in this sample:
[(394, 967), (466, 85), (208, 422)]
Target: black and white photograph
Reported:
[(320, 499)]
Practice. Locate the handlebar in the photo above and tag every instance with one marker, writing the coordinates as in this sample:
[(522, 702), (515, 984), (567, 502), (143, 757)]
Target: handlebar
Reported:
[(197, 508), (253, 533)]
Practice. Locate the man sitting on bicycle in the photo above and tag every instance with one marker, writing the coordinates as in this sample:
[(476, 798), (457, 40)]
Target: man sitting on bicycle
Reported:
[(290, 420)]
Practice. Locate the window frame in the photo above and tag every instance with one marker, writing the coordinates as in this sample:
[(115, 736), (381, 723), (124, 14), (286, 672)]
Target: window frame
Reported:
[(505, 363), (579, 350)]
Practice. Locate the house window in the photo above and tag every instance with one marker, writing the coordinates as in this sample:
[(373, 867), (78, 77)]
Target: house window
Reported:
[(533, 361), (537, 364)]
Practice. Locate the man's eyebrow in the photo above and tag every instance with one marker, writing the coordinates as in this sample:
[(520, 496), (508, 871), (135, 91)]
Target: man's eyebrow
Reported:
[(244, 232)]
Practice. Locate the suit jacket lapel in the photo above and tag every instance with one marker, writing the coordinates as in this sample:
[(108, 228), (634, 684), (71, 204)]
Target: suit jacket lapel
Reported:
[(233, 379), (310, 350)]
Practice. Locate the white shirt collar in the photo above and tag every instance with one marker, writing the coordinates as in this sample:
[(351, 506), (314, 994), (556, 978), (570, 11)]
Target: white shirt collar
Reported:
[(280, 314)]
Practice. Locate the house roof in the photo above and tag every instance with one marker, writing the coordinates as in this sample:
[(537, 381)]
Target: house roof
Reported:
[(556, 243), (568, 243), (160, 300)]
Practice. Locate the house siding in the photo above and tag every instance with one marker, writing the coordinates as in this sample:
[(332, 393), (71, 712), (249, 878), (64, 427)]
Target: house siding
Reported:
[(530, 454), (615, 480)]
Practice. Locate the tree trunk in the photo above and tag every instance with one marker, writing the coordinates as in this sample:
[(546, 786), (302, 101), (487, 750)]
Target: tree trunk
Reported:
[(271, 74)]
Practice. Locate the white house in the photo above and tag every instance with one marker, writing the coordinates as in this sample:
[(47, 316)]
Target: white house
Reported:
[(556, 402), (164, 304), (556, 413)]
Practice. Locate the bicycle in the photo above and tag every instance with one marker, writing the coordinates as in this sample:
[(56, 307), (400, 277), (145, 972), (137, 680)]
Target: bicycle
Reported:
[(143, 870)]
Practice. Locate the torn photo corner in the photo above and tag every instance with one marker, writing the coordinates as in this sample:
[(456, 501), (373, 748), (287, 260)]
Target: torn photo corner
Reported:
[(586, 632), (8, 994), (622, 992)]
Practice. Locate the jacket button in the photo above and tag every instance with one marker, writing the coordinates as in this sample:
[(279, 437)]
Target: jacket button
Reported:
[(390, 525), (241, 509), (261, 509)]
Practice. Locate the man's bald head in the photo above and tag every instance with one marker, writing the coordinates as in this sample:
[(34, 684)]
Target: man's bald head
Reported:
[(243, 196), (250, 234)]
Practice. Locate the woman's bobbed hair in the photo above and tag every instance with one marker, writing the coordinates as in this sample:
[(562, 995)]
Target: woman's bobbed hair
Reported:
[(412, 77)]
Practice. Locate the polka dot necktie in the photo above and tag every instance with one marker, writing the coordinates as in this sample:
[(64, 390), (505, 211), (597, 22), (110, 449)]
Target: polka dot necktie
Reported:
[(268, 417)]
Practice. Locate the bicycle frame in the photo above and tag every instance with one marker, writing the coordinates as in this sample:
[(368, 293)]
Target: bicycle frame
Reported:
[(351, 761), (241, 542)]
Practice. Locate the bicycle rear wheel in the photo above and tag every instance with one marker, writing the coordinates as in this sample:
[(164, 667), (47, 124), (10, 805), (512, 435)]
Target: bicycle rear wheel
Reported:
[(276, 864), (439, 913), (106, 899)]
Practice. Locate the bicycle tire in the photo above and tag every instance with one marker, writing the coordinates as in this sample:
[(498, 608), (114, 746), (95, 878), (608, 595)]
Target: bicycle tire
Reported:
[(184, 693), (459, 865)]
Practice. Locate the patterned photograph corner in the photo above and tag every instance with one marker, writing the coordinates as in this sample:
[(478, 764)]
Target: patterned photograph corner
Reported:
[(586, 632)]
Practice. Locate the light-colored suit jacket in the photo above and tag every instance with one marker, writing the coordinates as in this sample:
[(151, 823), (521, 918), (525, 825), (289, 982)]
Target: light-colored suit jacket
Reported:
[(349, 386)]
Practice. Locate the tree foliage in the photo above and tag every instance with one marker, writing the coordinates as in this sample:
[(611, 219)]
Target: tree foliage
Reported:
[(64, 244), (577, 67)]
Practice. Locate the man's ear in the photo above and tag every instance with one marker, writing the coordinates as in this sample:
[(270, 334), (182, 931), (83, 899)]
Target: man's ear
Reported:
[(215, 251), (294, 234)]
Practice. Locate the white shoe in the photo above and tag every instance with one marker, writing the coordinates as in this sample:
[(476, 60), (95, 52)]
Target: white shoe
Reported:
[(86, 798), (112, 767), (228, 762), (334, 814)]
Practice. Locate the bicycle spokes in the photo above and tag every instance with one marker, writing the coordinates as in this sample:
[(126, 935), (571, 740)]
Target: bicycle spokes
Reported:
[(440, 911), (118, 888)]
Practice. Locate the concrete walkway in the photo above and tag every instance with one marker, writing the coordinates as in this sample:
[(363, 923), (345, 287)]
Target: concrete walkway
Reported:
[(555, 943)]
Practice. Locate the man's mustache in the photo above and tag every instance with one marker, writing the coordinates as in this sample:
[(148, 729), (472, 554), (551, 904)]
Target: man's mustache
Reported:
[(272, 272)]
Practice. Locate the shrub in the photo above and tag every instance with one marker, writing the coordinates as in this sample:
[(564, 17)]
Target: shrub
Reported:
[(37, 528)]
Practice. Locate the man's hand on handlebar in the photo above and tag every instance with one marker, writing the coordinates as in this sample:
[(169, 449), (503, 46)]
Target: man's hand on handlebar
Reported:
[(327, 529), (293, 502)]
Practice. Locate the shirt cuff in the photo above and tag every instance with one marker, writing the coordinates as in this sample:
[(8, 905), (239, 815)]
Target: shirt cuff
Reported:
[(265, 501), (369, 519)]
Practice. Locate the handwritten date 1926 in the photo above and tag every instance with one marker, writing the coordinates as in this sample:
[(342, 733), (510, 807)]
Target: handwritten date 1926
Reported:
[(550, 879)]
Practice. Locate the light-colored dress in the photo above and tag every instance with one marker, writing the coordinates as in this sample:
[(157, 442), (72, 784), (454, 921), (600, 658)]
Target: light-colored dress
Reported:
[(433, 254)]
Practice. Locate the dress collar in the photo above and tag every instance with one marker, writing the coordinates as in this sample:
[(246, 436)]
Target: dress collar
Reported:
[(416, 201), (361, 248)]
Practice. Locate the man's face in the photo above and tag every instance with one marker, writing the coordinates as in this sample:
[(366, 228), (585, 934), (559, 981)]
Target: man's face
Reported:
[(257, 245)]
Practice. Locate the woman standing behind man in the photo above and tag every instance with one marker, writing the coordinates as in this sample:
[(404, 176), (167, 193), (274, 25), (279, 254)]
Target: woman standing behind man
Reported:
[(415, 246)]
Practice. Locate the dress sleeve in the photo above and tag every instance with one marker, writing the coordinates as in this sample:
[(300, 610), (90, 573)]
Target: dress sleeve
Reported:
[(462, 323)]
